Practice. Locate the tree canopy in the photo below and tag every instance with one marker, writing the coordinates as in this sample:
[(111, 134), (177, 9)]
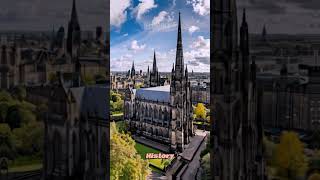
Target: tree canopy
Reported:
[(125, 163), (200, 111), (289, 156), (315, 176), (116, 102)]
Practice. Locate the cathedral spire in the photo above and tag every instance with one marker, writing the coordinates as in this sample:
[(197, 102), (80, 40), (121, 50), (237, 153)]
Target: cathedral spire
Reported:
[(74, 33), (244, 20), (186, 73), (133, 71), (179, 54), (244, 35), (264, 33), (74, 15), (154, 68)]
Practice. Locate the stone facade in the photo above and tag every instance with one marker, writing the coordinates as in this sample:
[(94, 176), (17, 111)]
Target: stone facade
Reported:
[(237, 131), (76, 131), (291, 101), (163, 113), (77, 120)]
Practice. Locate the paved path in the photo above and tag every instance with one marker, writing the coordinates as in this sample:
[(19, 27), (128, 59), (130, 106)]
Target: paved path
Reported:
[(156, 176), (191, 158), (192, 168), (193, 146)]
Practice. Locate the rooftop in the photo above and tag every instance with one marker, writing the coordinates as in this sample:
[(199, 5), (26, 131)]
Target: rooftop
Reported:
[(159, 93)]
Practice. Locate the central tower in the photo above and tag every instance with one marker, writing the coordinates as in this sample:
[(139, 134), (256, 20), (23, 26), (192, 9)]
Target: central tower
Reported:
[(237, 135), (180, 93)]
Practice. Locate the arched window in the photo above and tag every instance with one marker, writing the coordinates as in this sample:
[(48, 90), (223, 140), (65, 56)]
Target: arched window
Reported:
[(57, 150), (159, 114), (155, 114), (74, 151), (4, 55), (12, 57), (165, 114), (104, 151), (151, 131), (147, 111)]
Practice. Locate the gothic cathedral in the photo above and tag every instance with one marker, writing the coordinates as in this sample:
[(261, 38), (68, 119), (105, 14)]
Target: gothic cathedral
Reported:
[(237, 132), (163, 113)]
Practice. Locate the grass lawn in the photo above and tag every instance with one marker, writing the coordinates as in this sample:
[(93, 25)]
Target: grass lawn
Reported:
[(23, 164), (201, 123), (116, 114), (143, 150), (25, 168)]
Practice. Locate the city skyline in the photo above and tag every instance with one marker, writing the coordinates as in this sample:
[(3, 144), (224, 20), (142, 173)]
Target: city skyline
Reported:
[(138, 28), (281, 16), (43, 15)]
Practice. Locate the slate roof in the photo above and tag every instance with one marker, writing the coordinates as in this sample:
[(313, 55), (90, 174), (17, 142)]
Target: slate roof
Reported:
[(160, 93), (92, 100)]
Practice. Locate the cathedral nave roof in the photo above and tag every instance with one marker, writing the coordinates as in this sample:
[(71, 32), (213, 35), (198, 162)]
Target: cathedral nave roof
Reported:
[(159, 93)]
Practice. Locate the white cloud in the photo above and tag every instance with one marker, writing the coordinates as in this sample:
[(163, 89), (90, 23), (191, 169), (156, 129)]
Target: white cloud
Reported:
[(193, 29), (125, 35), (118, 12), (163, 22), (198, 57), (136, 47), (143, 7), (201, 43), (160, 18), (201, 7), (123, 63)]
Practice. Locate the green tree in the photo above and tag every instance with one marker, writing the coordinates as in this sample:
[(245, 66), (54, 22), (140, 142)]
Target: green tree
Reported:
[(315, 176), (125, 163), (118, 106), (115, 97), (205, 164), (29, 138), (100, 77), (19, 93), (88, 80), (4, 106), (289, 156), (200, 111), (6, 142), (5, 96)]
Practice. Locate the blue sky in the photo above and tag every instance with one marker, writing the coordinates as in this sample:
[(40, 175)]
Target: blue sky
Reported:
[(138, 27)]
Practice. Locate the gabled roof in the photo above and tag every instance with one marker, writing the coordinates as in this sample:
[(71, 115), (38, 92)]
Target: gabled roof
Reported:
[(92, 100), (159, 93)]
